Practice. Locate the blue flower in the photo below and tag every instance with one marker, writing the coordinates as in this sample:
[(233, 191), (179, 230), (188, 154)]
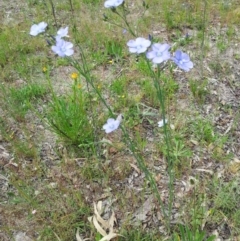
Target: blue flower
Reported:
[(112, 124), (62, 32), (38, 28), (113, 3), (139, 45), (159, 53), (63, 48), (182, 60)]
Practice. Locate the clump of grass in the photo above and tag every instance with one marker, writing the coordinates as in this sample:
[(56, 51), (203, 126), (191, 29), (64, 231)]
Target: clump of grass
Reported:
[(114, 50), (181, 152), (227, 198), (225, 207), (119, 86), (203, 131), (199, 90), (186, 234), (69, 119)]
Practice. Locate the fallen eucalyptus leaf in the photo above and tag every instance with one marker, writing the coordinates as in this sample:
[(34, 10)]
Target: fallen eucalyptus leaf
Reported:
[(98, 227), (103, 226)]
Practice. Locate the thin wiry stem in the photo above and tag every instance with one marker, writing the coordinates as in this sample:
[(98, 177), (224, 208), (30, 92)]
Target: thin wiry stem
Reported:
[(124, 18), (203, 35), (115, 24), (53, 12), (83, 69), (167, 137), (71, 6)]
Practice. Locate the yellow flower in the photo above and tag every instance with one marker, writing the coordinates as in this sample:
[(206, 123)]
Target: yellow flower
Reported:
[(74, 75), (44, 69), (79, 86)]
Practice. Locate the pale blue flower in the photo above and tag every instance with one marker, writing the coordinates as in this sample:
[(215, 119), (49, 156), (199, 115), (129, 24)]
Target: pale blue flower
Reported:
[(62, 32), (182, 60), (113, 3), (38, 28), (63, 48), (159, 53), (112, 124), (139, 45)]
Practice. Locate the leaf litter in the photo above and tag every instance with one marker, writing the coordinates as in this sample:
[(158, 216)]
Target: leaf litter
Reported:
[(103, 226)]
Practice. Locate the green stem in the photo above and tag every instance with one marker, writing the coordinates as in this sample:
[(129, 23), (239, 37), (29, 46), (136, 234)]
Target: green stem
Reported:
[(203, 35), (136, 153), (53, 12), (71, 5), (161, 97), (115, 24), (143, 167), (85, 72), (124, 18)]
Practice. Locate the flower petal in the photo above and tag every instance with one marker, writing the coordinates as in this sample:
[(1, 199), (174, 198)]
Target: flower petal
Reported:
[(112, 3), (151, 54)]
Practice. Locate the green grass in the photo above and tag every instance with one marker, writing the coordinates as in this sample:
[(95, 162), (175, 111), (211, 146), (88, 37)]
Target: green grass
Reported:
[(20, 100), (226, 203), (18, 58), (85, 164), (199, 90), (69, 120), (187, 234)]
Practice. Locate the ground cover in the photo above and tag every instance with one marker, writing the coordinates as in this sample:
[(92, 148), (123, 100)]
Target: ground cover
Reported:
[(56, 160)]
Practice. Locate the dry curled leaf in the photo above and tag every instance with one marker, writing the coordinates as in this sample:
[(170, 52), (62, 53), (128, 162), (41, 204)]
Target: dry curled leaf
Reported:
[(98, 226), (104, 227), (78, 237)]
